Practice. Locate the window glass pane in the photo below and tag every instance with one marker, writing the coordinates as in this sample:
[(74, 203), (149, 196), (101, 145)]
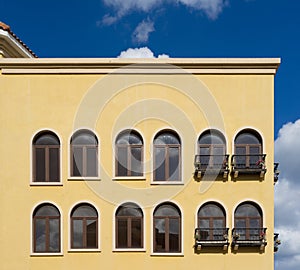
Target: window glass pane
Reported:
[(159, 234), (167, 210), (129, 138), (240, 223), (136, 233), (77, 233), (240, 159), (210, 138), (40, 235), (91, 237), (240, 229), (53, 164), (174, 164), (204, 156), (47, 210), (136, 164), (46, 139), (247, 138), (40, 169), (91, 162), (160, 164), (166, 138), (77, 161), (218, 155), (84, 211), (122, 233), (129, 209), (247, 210), (174, 235), (253, 150), (84, 138), (204, 223), (122, 161), (54, 235), (211, 210), (254, 223), (218, 231)]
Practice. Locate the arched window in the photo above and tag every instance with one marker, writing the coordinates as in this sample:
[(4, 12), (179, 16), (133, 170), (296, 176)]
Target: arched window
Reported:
[(211, 222), (248, 221), (212, 149), (129, 154), (167, 157), (129, 226), (248, 149), (84, 227), (46, 229), (84, 153), (46, 157), (167, 229)]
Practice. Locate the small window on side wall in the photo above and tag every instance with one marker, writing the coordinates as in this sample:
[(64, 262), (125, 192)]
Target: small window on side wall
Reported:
[(167, 157), (46, 229), (84, 153), (46, 157), (129, 154)]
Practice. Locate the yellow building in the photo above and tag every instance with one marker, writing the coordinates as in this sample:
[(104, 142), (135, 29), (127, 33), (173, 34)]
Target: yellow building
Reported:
[(136, 163)]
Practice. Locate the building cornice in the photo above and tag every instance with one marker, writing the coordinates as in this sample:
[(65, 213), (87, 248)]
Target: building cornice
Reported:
[(140, 66), (12, 46)]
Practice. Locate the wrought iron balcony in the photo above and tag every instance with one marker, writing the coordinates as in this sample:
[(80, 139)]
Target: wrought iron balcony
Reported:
[(276, 172), (211, 164), (277, 242), (211, 237), (248, 164), (249, 237)]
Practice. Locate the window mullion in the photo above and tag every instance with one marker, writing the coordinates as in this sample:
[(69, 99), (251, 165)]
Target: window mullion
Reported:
[(167, 234), (129, 173), (84, 160), (129, 232), (167, 155), (84, 231), (47, 234), (47, 163)]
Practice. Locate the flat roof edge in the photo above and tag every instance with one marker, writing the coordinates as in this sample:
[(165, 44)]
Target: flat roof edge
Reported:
[(106, 65)]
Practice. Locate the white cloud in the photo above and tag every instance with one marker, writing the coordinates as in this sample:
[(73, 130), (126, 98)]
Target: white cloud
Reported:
[(143, 52), (287, 194), (211, 8), (142, 31), (108, 20)]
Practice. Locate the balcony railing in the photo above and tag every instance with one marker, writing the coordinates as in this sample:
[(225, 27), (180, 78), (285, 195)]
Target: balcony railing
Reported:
[(276, 172), (211, 164), (249, 164), (277, 242), (249, 237), (211, 237)]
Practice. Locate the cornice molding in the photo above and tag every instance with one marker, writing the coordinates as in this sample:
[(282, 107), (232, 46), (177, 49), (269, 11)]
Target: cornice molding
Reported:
[(140, 66)]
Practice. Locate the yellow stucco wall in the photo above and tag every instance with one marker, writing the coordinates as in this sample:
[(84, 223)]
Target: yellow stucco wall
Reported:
[(147, 103)]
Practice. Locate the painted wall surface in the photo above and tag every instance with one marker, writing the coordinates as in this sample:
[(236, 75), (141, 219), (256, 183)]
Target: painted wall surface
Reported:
[(108, 104)]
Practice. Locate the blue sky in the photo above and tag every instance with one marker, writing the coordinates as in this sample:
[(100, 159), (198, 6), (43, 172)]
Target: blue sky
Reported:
[(185, 28)]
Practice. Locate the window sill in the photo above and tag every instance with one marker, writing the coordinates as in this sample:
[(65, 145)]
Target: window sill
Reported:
[(47, 254), (167, 254), (129, 178), (167, 183), (84, 179), (46, 183), (82, 250), (129, 250)]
